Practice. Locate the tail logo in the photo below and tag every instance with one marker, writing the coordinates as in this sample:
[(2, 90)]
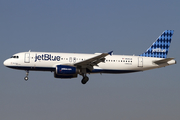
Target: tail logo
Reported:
[(160, 47), (158, 50)]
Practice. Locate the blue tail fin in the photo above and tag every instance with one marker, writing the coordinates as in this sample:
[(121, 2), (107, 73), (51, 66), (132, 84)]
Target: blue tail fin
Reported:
[(160, 47)]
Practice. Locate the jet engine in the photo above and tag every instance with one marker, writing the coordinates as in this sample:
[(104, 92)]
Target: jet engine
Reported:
[(65, 71)]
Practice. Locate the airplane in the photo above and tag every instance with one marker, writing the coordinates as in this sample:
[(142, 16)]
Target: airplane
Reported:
[(70, 65)]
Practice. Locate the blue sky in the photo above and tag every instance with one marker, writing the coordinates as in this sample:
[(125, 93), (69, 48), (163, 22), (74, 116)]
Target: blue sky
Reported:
[(127, 27)]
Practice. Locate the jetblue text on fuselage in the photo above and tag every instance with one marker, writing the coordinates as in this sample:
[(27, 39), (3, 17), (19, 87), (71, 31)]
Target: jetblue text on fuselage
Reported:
[(47, 57)]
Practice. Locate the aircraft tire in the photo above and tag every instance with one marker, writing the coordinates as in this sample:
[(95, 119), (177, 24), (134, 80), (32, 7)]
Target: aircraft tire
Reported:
[(26, 78), (85, 80)]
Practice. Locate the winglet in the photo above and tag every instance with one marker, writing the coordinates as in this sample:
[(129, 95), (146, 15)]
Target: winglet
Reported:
[(110, 53)]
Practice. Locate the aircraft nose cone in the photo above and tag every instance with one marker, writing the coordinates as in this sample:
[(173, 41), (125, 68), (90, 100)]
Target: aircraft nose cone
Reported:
[(5, 62)]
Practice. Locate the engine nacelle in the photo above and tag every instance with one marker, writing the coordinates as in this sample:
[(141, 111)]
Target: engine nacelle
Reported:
[(65, 76), (65, 71)]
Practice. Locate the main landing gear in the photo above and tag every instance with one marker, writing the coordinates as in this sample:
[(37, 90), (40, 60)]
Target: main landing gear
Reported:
[(85, 79), (26, 77)]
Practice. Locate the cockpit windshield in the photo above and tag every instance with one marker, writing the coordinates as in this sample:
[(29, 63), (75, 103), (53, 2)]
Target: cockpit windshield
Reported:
[(15, 57)]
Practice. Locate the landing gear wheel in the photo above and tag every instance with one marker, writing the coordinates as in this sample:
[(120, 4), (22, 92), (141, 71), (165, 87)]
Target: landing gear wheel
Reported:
[(27, 73), (84, 80), (26, 78)]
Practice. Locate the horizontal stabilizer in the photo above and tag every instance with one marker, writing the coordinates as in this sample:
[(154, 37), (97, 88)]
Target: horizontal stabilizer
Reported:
[(166, 60)]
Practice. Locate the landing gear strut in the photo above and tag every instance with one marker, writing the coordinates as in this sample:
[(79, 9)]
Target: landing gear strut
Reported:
[(26, 77), (84, 80)]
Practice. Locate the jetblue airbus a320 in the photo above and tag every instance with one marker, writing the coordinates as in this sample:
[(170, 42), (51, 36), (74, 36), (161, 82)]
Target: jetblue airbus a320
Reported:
[(69, 65)]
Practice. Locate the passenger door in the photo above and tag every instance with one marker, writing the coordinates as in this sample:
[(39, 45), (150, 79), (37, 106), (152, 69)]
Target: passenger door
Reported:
[(140, 62), (27, 58)]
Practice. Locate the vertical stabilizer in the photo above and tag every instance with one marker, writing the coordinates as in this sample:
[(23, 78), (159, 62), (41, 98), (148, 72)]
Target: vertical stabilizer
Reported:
[(160, 47)]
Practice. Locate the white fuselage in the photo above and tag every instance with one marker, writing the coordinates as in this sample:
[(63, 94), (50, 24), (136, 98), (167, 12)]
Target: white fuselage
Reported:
[(47, 61), (70, 65)]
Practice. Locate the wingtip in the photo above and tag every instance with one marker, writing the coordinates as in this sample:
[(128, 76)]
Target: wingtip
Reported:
[(110, 53)]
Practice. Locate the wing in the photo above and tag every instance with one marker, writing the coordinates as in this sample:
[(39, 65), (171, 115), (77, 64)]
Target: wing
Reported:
[(94, 61)]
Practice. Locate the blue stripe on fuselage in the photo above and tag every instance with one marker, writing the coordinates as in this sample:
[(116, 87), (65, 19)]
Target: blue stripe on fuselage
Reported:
[(53, 69), (33, 68), (112, 71)]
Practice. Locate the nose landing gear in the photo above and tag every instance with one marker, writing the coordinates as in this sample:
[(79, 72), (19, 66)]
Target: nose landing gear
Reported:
[(26, 77)]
